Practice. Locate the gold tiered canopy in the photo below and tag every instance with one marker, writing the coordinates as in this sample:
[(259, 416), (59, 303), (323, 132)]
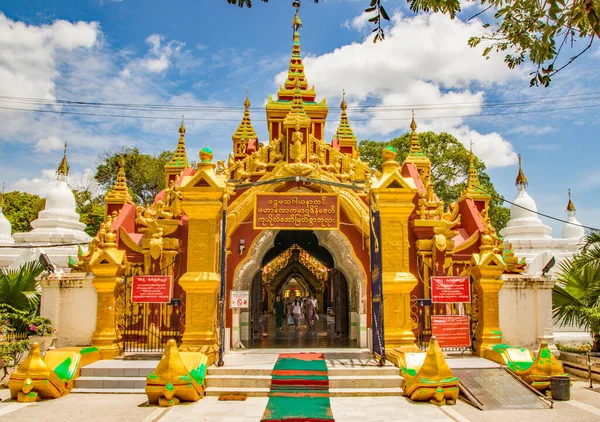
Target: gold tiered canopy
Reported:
[(63, 169)]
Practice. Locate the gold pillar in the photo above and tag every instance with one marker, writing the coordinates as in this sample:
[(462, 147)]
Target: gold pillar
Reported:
[(394, 198), (108, 265), (486, 269), (105, 337), (203, 202)]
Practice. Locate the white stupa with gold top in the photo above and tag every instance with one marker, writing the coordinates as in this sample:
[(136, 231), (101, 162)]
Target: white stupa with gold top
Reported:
[(57, 225), (531, 239)]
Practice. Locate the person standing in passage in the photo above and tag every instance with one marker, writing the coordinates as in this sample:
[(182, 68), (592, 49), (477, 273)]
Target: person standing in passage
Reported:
[(309, 313), (278, 309), (297, 311)]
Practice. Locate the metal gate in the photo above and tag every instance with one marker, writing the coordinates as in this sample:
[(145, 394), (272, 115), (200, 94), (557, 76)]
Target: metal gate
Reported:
[(423, 308), (146, 327)]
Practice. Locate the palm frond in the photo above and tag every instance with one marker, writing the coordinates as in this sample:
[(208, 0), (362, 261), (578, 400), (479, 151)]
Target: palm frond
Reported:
[(20, 288)]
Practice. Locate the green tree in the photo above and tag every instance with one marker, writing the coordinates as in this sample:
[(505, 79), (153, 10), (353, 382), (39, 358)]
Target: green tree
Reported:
[(90, 209), (145, 173), (20, 288), (576, 295), (449, 168), (21, 208), (534, 30)]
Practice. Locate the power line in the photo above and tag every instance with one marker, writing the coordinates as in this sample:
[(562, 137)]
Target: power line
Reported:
[(264, 120), (490, 103), (537, 212)]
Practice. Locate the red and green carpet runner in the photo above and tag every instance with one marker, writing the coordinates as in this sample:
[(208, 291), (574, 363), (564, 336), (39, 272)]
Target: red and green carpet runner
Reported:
[(299, 389)]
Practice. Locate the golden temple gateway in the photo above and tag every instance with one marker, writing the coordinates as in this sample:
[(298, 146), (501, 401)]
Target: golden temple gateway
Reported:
[(292, 216)]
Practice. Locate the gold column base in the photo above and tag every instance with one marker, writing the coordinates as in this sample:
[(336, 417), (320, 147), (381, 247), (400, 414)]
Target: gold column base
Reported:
[(201, 304), (397, 323), (105, 337)]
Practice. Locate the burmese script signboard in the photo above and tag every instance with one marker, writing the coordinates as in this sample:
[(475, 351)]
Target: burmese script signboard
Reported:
[(451, 330), (151, 289), (450, 290), (297, 211)]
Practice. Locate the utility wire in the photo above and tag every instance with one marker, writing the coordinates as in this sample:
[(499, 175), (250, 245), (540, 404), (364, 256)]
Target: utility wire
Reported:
[(130, 116), (489, 103), (537, 212)]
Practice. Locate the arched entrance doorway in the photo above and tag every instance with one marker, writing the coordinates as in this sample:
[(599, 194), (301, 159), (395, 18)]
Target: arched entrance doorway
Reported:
[(298, 268)]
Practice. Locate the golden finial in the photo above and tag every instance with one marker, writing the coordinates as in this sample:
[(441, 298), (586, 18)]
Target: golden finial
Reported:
[(473, 188), (179, 158), (63, 169), (182, 127), (344, 133), (245, 131), (521, 181), (296, 23), (247, 101), (415, 153), (119, 193), (570, 205)]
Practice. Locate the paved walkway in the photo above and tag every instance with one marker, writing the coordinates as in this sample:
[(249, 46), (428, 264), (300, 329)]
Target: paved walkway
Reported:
[(584, 407)]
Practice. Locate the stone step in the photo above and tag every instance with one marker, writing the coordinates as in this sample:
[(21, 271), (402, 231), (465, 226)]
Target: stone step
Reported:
[(363, 371), (243, 382), (250, 392), (334, 392), (224, 370), (119, 368), (119, 383), (239, 381), (371, 382), (359, 371), (108, 391), (364, 392)]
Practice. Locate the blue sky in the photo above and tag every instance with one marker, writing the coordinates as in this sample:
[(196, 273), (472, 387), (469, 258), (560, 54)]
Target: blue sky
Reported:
[(206, 53)]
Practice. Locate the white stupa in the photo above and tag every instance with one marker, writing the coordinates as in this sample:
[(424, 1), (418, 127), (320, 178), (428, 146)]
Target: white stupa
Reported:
[(531, 238), (58, 224), (5, 227)]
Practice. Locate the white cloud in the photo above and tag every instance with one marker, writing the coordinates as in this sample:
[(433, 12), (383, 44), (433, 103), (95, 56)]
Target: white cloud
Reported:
[(70, 61), (42, 185), (424, 60), (28, 54), (51, 143), (359, 23), (531, 130)]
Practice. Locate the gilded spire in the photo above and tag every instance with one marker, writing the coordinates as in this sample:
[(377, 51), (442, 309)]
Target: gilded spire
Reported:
[(344, 132), (473, 189), (63, 169), (119, 194), (297, 114), (245, 131), (521, 181), (415, 153), (570, 206), (179, 158), (296, 67)]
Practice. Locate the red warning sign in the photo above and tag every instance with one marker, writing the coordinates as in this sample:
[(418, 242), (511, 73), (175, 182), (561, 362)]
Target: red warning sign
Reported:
[(452, 330)]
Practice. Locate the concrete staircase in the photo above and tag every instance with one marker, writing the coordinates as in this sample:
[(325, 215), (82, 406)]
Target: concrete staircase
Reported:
[(343, 381), (114, 377), (354, 374)]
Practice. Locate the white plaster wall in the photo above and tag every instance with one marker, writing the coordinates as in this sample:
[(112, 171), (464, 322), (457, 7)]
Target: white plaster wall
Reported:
[(70, 301), (245, 325), (353, 326), (362, 341), (525, 305)]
